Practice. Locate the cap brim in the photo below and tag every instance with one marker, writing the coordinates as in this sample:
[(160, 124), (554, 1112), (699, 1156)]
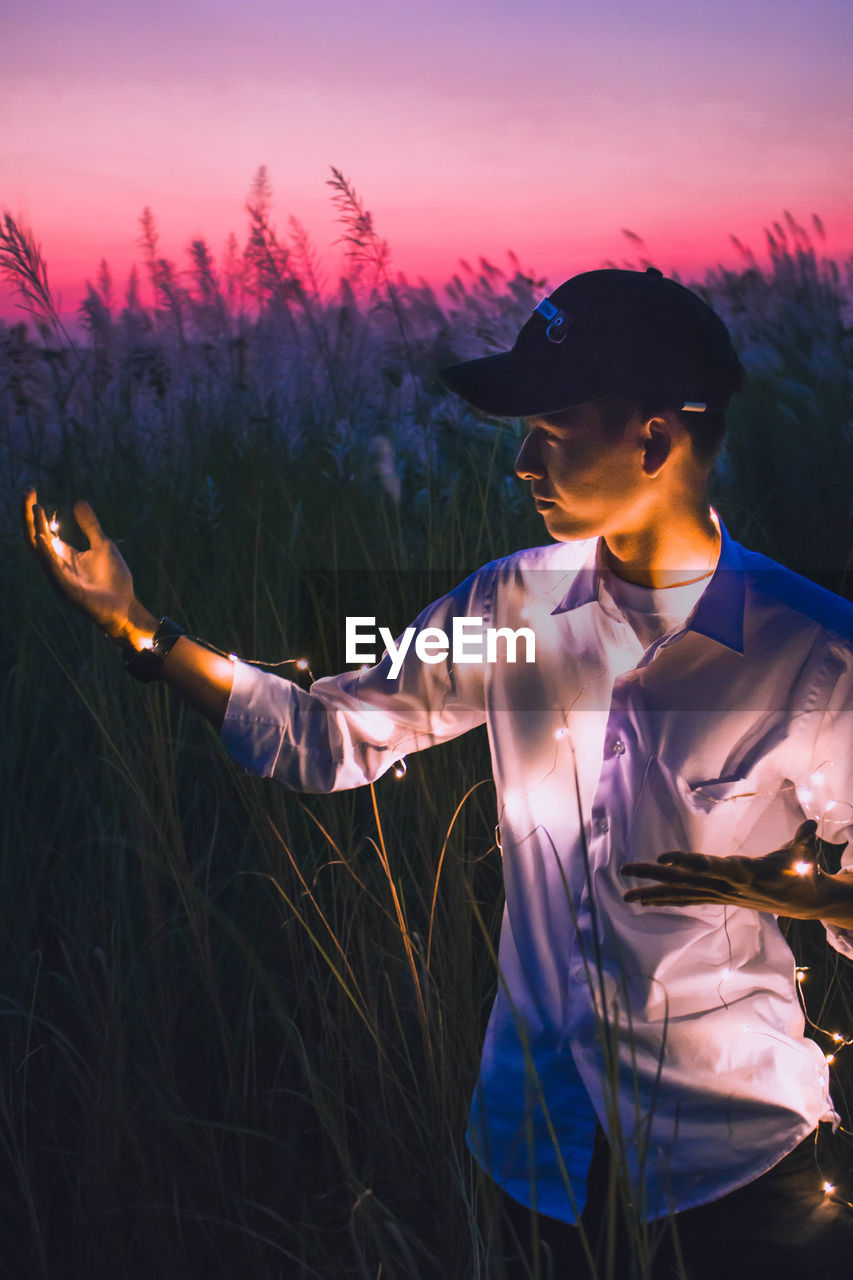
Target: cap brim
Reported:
[(505, 387), (490, 384)]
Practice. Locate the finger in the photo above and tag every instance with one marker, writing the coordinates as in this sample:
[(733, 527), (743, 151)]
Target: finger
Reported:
[(804, 837), (676, 876), (42, 530), (695, 861), (680, 900), (88, 522), (679, 861), (671, 866), (28, 502), (734, 867), (671, 896), (50, 549)]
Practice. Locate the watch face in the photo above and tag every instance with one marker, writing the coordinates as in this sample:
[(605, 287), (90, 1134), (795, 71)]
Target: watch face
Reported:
[(144, 664)]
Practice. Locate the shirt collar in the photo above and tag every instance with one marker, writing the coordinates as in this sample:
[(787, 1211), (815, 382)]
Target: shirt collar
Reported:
[(719, 611)]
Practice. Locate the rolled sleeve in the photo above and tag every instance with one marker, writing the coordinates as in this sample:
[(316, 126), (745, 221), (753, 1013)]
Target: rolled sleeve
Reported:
[(347, 730)]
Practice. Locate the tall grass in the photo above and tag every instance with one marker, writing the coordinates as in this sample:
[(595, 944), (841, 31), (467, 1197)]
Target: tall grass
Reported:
[(239, 1027)]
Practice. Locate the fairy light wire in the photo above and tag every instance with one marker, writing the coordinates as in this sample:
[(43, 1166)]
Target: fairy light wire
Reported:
[(301, 664)]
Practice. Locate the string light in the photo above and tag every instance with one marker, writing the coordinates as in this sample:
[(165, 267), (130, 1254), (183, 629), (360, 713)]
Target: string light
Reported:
[(55, 542), (812, 790), (302, 664), (812, 796), (400, 768), (837, 1039)]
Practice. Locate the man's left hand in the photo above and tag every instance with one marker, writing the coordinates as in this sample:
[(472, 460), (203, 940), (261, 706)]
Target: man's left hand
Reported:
[(787, 882)]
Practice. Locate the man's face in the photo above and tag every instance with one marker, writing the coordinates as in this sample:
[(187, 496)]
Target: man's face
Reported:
[(586, 479)]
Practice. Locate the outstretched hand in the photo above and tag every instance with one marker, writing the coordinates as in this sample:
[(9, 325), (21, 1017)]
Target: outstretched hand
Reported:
[(97, 582), (787, 882)]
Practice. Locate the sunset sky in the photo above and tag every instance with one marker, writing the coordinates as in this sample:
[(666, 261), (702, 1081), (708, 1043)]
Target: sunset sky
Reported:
[(468, 129)]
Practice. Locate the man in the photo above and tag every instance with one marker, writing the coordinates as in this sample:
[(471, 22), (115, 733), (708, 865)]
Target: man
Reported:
[(688, 700)]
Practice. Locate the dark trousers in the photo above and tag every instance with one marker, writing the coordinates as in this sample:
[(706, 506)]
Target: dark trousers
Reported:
[(782, 1226)]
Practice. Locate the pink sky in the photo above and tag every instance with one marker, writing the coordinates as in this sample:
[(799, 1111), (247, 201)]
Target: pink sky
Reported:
[(468, 129)]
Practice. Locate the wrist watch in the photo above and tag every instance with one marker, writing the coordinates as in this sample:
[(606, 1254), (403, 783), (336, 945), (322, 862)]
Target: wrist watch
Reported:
[(144, 664)]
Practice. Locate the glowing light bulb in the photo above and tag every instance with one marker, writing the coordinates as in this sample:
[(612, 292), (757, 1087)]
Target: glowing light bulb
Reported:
[(818, 778), (830, 805), (400, 768), (302, 664), (805, 794), (147, 642), (232, 657), (560, 733), (802, 868), (828, 1188), (830, 1057), (801, 974), (726, 973), (55, 542), (837, 1037)]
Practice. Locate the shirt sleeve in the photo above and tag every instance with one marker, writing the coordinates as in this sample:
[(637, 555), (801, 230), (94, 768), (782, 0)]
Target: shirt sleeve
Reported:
[(827, 793), (348, 729)]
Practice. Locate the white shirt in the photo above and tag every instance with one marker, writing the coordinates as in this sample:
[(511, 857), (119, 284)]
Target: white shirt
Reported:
[(719, 737), (652, 612)]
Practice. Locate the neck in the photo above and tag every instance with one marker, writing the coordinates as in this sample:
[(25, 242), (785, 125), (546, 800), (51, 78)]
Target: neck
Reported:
[(680, 548)]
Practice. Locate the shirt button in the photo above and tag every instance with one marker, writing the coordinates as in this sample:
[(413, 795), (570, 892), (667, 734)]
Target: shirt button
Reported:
[(619, 747), (602, 826)]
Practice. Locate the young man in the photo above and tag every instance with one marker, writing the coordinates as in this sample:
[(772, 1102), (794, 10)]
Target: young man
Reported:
[(689, 701)]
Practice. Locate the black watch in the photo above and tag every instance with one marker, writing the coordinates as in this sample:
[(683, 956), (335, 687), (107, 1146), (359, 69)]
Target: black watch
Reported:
[(144, 664)]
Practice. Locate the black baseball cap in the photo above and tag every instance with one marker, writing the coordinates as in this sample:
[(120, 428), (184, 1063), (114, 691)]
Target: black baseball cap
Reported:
[(632, 334)]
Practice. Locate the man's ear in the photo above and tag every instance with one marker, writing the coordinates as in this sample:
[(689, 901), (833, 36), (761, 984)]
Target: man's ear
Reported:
[(657, 445)]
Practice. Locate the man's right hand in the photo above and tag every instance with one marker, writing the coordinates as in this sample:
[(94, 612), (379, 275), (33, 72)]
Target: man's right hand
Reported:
[(97, 582)]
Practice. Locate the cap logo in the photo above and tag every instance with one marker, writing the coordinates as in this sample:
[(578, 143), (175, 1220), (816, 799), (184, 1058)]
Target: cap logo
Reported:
[(557, 327)]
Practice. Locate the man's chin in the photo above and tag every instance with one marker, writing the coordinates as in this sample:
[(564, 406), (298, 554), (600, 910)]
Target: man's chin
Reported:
[(562, 527)]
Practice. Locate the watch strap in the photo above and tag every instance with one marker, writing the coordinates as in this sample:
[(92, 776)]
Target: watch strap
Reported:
[(146, 662)]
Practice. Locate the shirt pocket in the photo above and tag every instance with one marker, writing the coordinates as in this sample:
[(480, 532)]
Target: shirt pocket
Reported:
[(721, 809), (749, 814), (669, 816)]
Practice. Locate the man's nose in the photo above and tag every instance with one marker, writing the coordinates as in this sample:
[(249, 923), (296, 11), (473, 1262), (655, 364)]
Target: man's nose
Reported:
[(528, 463)]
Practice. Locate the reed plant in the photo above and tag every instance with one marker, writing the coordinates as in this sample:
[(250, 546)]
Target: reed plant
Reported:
[(240, 1028)]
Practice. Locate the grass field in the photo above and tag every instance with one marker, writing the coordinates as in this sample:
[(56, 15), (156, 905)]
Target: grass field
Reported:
[(240, 1027)]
